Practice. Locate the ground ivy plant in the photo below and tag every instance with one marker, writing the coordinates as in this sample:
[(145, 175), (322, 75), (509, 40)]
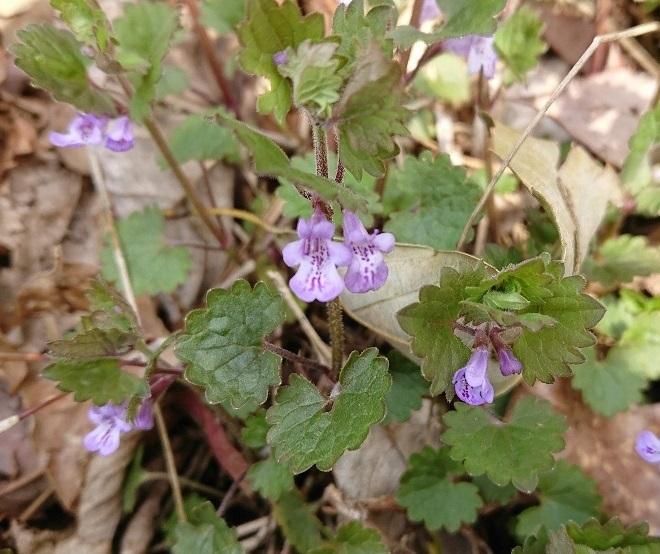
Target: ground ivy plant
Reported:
[(435, 321)]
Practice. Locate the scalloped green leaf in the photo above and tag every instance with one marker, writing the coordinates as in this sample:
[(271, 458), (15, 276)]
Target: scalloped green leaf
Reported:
[(270, 28), (430, 494), (565, 494), (514, 451), (407, 391), (53, 60), (222, 345), (518, 42), (153, 266), (197, 138), (270, 478), (297, 521), (469, 17), (100, 380), (352, 538), (303, 434), (86, 20), (429, 201), (205, 533)]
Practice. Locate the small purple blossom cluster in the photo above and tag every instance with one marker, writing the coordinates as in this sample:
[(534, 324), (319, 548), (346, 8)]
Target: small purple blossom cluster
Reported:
[(471, 382), (317, 258), (94, 130), (478, 50), (111, 421), (647, 447)]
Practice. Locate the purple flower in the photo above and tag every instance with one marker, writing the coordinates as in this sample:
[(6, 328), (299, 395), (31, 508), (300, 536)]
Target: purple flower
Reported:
[(280, 58), (509, 364), (93, 130), (318, 257), (430, 10), (110, 423), (144, 420), (477, 50), (648, 447), (471, 381), (84, 129), (367, 270), (119, 136)]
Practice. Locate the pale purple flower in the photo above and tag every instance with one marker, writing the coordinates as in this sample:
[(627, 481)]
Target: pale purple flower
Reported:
[(280, 58), (471, 381), (144, 419), (648, 447), (430, 10), (509, 364), (367, 270), (317, 257), (119, 136), (477, 50), (93, 130), (84, 129), (110, 423)]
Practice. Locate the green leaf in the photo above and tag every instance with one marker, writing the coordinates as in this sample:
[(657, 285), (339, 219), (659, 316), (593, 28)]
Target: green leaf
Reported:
[(100, 380), (270, 478), (197, 138), (429, 201), (608, 386), (255, 430), (637, 173), (352, 538), (222, 345), (173, 81), (152, 265), (491, 492), (429, 493), (518, 42), (270, 159), (86, 20), (565, 494), (515, 451), (430, 323), (143, 35), (621, 259), (298, 523), (312, 69), (639, 347), (366, 118), (469, 17), (446, 78), (303, 434), (268, 29), (613, 534), (205, 533), (408, 388), (53, 60), (295, 204), (223, 15)]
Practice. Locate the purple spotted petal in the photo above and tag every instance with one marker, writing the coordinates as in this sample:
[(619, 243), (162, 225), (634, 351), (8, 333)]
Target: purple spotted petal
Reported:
[(317, 258), (103, 439), (509, 364), (84, 129), (648, 447), (475, 396), (367, 270), (144, 420), (477, 366), (119, 136)]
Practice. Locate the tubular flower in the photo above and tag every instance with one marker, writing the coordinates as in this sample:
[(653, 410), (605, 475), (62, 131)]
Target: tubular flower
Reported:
[(110, 423), (471, 381), (93, 130), (648, 447), (509, 364), (477, 50), (317, 258), (367, 270)]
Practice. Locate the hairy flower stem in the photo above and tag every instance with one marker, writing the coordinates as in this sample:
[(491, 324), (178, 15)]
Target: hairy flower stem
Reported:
[(336, 336), (335, 322), (188, 188), (295, 358)]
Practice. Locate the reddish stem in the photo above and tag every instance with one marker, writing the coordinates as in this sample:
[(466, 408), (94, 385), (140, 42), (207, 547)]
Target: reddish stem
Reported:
[(225, 453)]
